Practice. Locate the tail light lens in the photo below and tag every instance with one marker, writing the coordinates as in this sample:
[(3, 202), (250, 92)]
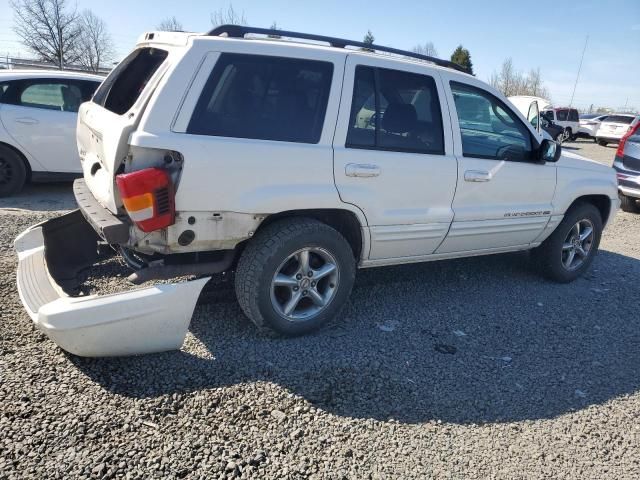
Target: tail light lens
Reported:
[(148, 198), (632, 130)]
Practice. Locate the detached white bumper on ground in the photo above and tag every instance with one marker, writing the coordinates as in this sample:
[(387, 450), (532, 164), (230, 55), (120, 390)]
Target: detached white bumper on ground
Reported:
[(142, 320)]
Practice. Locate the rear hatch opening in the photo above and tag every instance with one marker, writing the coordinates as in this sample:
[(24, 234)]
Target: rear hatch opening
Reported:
[(107, 121)]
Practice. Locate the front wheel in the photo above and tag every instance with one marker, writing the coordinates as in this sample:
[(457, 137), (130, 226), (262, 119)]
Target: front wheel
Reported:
[(570, 249), (295, 275)]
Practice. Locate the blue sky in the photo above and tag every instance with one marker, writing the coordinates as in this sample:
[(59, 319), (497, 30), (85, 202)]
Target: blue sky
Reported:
[(543, 33)]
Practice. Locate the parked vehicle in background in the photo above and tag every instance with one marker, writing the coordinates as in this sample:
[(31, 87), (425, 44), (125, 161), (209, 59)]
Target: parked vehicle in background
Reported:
[(291, 165), (567, 118), (627, 166), (38, 116), (530, 107), (614, 127), (589, 123)]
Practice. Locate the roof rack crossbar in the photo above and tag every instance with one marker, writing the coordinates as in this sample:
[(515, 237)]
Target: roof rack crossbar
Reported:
[(240, 31)]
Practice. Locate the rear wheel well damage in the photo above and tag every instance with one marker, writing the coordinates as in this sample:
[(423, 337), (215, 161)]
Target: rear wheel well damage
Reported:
[(601, 202), (343, 221)]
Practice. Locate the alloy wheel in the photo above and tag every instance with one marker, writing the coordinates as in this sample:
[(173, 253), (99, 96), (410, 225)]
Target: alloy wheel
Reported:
[(304, 284), (577, 245)]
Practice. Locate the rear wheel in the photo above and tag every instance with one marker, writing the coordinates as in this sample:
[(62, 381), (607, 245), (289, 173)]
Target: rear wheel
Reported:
[(570, 249), (13, 172), (629, 204), (602, 143), (294, 276)]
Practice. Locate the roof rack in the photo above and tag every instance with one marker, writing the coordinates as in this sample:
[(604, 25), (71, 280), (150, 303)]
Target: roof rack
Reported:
[(239, 31)]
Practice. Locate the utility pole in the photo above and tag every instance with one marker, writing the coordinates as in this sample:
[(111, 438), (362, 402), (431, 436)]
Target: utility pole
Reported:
[(579, 68)]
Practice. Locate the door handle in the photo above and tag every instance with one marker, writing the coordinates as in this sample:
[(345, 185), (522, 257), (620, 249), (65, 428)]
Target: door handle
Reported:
[(27, 120), (361, 170), (477, 176)]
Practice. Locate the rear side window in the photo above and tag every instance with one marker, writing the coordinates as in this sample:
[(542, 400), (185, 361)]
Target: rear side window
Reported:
[(573, 115), (126, 82), (63, 95), (395, 110), (265, 98), (562, 115), (619, 119)]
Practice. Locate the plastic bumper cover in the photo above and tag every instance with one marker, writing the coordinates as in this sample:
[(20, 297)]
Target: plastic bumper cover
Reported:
[(143, 320)]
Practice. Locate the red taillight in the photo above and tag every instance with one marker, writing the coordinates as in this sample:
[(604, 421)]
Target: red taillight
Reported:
[(623, 140), (148, 198)]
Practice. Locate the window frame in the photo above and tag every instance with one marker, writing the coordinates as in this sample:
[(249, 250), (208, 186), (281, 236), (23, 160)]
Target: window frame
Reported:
[(220, 59), (376, 89), (535, 143)]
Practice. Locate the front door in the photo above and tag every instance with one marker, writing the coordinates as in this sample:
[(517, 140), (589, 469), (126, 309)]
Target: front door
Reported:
[(504, 194), (393, 155)]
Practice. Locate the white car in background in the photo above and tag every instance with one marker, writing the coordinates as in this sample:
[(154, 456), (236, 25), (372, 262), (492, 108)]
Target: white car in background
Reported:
[(38, 115), (589, 124), (567, 118), (614, 127)]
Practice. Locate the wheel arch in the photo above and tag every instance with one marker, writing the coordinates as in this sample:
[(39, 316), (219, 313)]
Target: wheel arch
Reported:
[(600, 201), (344, 221)]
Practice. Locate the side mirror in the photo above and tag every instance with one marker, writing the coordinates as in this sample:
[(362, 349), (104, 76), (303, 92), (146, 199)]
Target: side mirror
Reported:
[(549, 151)]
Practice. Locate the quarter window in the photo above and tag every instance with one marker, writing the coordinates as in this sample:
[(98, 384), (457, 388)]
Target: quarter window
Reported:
[(395, 110), (267, 98), (488, 128)]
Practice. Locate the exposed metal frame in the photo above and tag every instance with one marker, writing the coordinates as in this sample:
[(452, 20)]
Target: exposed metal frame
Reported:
[(240, 31)]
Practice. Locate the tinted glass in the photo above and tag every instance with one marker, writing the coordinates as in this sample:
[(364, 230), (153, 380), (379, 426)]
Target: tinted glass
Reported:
[(562, 115), (488, 128), (573, 115), (619, 119), (126, 82), (404, 115), (64, 96), (3, 88), (267, 98)]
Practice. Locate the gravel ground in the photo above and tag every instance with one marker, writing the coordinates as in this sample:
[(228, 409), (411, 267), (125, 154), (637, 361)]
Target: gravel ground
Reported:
[(472, 368)]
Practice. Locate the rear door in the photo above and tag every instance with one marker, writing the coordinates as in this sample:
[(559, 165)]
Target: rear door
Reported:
[(105, 123), (503, 198), (393, 155), (41, 115)]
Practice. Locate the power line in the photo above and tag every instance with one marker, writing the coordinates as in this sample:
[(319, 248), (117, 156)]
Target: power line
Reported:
[(579, 68)]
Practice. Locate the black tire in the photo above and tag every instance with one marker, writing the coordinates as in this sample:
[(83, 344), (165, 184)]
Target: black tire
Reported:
[(629, 204), (602, 143), (568, 135), (13, 172), (549, 254), (265, 254)]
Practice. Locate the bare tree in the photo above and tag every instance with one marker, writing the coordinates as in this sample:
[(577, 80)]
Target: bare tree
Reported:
[(511, 82), (49, 29), (170, 24), (95, 46), (428, 49), (228, 16)]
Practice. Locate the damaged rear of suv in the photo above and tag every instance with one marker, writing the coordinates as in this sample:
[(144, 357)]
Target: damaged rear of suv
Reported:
[(290, 164)]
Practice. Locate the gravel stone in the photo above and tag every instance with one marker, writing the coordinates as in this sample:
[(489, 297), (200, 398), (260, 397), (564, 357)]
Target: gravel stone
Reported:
[(354, 401)]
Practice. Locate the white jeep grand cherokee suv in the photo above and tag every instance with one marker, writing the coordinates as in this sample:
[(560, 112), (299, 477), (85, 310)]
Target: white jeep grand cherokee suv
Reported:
[(292, 164)]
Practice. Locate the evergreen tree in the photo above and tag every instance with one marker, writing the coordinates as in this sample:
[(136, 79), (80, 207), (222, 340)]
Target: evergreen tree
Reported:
[(462, 57), (368, 40)]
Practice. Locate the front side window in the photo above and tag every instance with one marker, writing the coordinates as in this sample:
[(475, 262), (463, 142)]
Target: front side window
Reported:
[(395, 110), (488, 128), (532, 115), (265, 98)]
